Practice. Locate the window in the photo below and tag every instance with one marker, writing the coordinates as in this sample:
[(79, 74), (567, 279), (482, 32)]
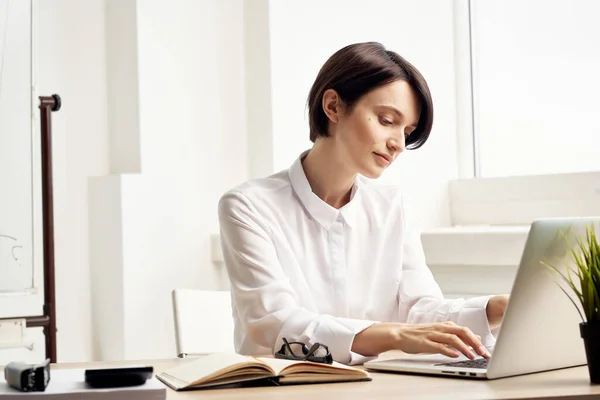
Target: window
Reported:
[(535, 86)]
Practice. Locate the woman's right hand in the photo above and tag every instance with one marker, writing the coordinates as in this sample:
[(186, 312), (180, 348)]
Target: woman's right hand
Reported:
[(445, 338)]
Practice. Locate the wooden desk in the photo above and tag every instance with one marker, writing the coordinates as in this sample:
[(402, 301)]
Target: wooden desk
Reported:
[(571, 383)]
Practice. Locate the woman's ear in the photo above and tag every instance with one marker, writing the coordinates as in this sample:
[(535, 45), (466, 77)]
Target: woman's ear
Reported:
[(332, 105)]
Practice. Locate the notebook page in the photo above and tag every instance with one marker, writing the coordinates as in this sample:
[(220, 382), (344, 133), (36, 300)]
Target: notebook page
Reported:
[(281, 367), (277, 364), (211, 367)]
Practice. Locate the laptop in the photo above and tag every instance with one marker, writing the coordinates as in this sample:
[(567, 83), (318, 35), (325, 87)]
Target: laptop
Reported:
[(540, 329)]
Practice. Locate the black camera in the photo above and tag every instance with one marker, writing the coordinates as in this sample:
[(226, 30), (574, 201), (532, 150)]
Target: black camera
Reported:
[(28, 377)]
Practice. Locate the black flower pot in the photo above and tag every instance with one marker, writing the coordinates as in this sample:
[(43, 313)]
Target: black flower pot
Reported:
[(590, 332)]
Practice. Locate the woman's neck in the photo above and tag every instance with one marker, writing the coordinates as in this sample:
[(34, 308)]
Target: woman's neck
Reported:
[(327, 175)]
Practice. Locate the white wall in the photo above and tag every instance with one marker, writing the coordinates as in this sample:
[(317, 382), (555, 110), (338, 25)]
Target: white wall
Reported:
[(71, 62), (304, 34), (192, 147)]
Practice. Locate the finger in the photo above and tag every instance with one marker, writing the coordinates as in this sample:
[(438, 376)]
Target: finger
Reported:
[(470, 339), (450, 339), (435, 347)]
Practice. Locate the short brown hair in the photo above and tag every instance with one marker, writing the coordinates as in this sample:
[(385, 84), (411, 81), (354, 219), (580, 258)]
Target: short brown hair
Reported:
[(359, 68)]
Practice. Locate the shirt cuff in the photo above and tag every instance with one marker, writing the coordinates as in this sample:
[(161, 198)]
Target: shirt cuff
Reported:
[(359, 359), (341, 348), (473, 315)]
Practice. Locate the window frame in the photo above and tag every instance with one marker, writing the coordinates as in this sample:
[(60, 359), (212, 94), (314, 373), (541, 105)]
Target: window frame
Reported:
[(479, 200)]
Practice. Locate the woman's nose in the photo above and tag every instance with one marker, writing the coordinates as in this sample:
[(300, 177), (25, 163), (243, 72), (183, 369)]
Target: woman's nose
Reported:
[(397, 146)]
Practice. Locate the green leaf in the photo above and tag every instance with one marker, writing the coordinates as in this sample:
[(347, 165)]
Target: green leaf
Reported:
[(582, 274)]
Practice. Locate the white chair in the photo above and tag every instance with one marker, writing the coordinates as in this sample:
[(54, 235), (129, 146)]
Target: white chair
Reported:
[(203, 321)]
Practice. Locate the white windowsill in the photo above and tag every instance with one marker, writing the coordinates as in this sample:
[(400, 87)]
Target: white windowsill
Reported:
[(475, 245)]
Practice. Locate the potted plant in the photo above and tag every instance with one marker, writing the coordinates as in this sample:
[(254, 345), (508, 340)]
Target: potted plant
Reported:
[(582, 275)]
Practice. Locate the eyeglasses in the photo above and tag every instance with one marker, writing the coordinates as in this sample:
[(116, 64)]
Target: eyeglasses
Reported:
[(298, 351)]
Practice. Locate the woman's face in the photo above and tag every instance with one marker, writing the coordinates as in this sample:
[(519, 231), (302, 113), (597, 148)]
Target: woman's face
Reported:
[(372, 134)]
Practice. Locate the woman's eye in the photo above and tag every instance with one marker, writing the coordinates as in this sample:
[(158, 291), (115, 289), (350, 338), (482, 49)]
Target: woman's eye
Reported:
[(385, 121)]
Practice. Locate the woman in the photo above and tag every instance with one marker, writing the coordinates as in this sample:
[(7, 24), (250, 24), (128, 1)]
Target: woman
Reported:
[(316, 254)]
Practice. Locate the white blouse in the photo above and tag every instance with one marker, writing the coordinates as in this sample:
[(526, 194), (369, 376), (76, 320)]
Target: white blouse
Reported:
[(305, 271)]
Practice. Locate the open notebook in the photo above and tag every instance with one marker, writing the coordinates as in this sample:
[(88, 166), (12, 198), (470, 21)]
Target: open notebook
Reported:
[(230, 368)]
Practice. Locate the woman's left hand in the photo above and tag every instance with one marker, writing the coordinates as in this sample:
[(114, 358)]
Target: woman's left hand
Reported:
[(495, 309)]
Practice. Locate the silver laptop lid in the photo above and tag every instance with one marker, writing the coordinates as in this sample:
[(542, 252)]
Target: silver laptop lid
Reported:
[(540, 330)]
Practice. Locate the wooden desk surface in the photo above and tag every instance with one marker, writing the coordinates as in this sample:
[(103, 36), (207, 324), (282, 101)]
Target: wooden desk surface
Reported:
[(570, 383)]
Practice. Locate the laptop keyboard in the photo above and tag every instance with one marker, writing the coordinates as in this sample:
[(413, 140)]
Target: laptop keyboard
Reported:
[(481, 363)]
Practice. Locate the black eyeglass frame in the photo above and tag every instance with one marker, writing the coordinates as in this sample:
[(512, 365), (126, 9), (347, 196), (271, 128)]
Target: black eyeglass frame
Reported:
[(307, 354)]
